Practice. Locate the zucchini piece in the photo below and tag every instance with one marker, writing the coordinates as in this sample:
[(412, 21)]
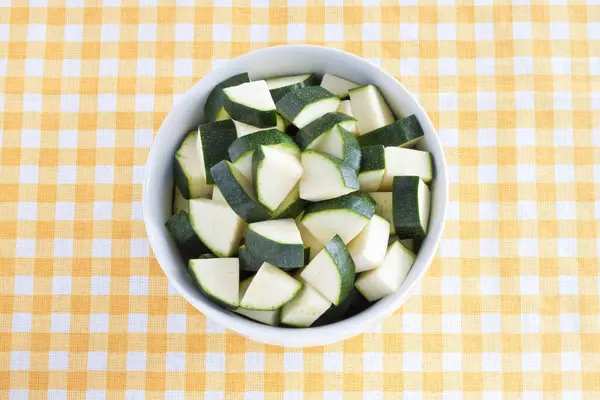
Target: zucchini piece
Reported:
[(270, 289), (291, 206), (345, 216), (213, 108), (412, 201), (368, 248), (342, 144), (217, 226), (242, 145), (345, 108), (387, 278), (266, 317), (331, 272), (274, 173), (325, 177), (369, 108), (305, 105), (249, 261), (187, 241), (243, 129), (212, 142), (309, 136), (339, 312), (411, 244), (310, 242), (304, 309), (277, 241), (189, 171), (217, 195), (372, 168), (338, 86), (239, 192), (180, 203), (251, 103), (385, 207), (406, 162), (405, 133), (279, 87), (218, 278)]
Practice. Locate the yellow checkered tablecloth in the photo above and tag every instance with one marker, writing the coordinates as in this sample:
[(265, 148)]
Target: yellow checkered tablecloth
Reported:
[(511, 305)]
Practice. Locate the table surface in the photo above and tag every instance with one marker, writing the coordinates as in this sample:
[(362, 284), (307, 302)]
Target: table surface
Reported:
[(510, 307)]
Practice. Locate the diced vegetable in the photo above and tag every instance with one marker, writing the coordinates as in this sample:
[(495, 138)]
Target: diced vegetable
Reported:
[(405, 132), (243, 129), (368, 248), (372, 168), (278, 241), (270, 289), (213, 108), (305, 105), (251, 103), (279, 87), (345, 216), (412, 201), (180, 203), (218, 278), (405, 162), (242, 145), (212, 142), (325, 177), (342, 144), (308, 239), (385, 207), (249, 261), (219, 228), (345, 108), (309, 136), (388, 277), (337, 85), (266, 317), (181, 230), (291, 206), (306, 307), (217, 195), (369, 108), (331, 272), (188, 169)]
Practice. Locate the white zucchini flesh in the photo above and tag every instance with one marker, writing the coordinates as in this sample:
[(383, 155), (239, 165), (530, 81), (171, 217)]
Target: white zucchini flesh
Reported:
[(284, 81), (369, 247), (385, 207), (252, 94), (370, 109), (316, 110), (324, 275), (387, 278), (424, 199), (191, 161), (278, 230), (242, 129), (217, 195), (304, 309), (308, 238), (270, 289), (180, 203), (215, 223), (370, 181), (346, 108), (331, 143), (326, 224), (244, 165), (405, 162), (219, 278), (336, 85), (322, 178), (276, 176), (266, 317)]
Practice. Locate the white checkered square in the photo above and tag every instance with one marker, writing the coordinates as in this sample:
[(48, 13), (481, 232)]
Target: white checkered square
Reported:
[(61, 285), (409, 31), (559, 30), (138, 323), (521, 30), (446, 31), (175, 362), (293, 362), (568, 285), (97, 361), (485, 66), (451, 323), (101, 248), (448, 101), (215, 362), (136, 395), (259, 3), (530, 323), (99, 322), (138, 285), (489, 285), (491, 362), (334, 32), (531, 362), (571, 361), (58, 360), (450, 248), (453, 211), (530, 285), (107, 102), (527, 210), (36, 33), (25, 247), (34, 67), (23, 285), (523, 65), (139, 248), (255, 362), (524, 100), (259, 33), (173, 395), (490, 323), (104, 175), (488, 211), (221, 32), (451, 285), (296, 32), (27, 211), (95, 395), (183, 66), (64, 211), (32, 102), (103, 210), (108, 67), (100, 285), (526, 173), (71, 68), (67, 139), (561, 65), (19, 360), (447, 66), (73, 33), (525, 137), (138, 174), (176, 323), (146, 32), (409, 67), (569, 323), (146, 67), (488, 173), (412, 361), (489, 247), (136, 361), (21, 322), (60, 322), (484, 31), (110, 32), (136, 211), (184, 32), (372, 362), (144, 102), (563, 101), (69, 103), (67, 175), (333, 362), (452, 361)]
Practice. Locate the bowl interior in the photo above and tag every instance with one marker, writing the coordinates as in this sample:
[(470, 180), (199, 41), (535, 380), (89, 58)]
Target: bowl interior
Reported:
[(187, 113)]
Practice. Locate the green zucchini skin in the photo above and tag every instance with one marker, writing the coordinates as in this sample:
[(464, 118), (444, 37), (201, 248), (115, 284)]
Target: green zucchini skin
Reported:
[(249, 261), (181, 180), (360, 203), (306, 135), (290, 105), (242, 203), (282, 255), (250, 116), (253, 141), (352, 152), (188, 243), (216, 137), (214, 102), (342, 258), (337, 313), (406, 207), (206, 294), (398, 133), (373, 158), (278, 93)]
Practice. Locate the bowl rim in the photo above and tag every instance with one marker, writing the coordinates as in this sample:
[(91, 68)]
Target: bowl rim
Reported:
[(312, 336)]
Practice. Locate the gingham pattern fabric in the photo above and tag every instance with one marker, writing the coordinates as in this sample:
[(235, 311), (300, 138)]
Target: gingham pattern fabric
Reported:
[(510, 307)]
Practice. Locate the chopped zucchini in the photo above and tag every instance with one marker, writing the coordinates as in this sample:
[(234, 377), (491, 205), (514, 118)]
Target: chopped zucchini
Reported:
[(278, 241), (270, 289), (187, 241), (291, 206), (217, 195), (248, 143), (368, 248), (337, 85), (306, 307), (218, 278), (406, 162), (266, 317), (342, 144), (325, 177), (310, 242), (385, 207), (212, 142), (249, 261), (243, 129), (387, 278), (251, 103), (412, 200), (189, 171), (180, 203), (279, 87), (372, 168), (345, 108), (217, 226), (369, 108), (405, 133), (331, 272), (213, 108), (309, 136), (305, 105)]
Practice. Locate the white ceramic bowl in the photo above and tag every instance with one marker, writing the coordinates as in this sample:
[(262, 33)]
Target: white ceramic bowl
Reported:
[(187, 114)]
